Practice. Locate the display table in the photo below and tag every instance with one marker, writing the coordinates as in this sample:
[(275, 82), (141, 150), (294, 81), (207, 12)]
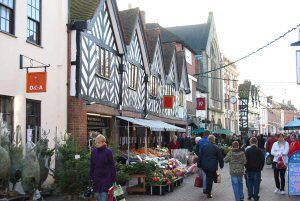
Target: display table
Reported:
[(140, 187)]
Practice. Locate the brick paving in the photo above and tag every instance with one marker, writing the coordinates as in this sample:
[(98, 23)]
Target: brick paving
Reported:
[(221, 192)]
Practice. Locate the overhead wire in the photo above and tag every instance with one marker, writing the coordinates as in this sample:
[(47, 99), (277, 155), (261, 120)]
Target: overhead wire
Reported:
[(254, 52)]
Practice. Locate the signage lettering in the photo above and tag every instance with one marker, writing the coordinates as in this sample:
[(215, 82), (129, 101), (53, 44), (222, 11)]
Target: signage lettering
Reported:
[(36, 82)]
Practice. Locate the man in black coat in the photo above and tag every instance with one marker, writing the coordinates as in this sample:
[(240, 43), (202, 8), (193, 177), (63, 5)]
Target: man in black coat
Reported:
[(255, 164), (209, 158)]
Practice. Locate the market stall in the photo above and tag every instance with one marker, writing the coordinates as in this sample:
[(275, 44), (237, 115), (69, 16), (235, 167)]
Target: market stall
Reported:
[(147, 161)]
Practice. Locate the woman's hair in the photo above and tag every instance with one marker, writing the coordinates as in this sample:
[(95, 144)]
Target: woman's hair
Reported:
[(281, 134), (174, 137), (235, 145), (211, 138), (100, 137)]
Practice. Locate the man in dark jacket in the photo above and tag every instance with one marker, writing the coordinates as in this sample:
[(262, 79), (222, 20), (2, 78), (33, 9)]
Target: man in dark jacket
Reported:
[(255, 164), (102, 169), (209, 157), (185, 142)]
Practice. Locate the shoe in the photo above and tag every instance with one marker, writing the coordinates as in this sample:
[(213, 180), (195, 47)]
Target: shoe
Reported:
[(209, 196), (276, 190), (204, 191), (282, 192)]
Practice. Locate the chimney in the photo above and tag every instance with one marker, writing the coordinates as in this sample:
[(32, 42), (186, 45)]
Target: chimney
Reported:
[(289, 102), (129, 6)]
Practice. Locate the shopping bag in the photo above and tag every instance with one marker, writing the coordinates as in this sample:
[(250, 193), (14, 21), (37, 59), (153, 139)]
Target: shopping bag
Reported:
[(118, 193), (269, 158), (218, 177), (199, 181)]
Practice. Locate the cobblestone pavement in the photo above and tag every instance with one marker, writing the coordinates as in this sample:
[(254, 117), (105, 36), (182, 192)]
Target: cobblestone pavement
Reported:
[(221, 192)]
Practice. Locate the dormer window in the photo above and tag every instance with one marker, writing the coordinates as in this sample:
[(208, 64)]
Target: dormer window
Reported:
[(104, 62)]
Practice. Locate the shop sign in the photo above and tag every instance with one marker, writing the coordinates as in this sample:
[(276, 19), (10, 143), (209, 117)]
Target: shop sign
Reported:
[(298, 66), (36, 82), (169, 102), (201, 104)]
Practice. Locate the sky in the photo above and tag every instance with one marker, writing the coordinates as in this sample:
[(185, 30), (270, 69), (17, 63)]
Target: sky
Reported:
[(242, 27)]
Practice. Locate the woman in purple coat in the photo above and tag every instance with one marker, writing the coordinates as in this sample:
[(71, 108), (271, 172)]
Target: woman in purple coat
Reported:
[(102, 169)]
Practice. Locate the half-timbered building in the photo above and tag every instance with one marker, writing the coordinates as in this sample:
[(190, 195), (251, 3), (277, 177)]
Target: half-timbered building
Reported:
[(97, 58)]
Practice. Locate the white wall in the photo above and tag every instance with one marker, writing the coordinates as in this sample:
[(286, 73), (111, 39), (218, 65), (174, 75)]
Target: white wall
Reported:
[(53, 51)]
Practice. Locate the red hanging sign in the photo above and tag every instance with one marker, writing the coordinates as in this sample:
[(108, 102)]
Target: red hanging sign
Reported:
[(201, 104), (169, 102), (36, 82)]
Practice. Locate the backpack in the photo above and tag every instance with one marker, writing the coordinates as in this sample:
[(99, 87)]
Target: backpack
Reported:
[(281, 163)]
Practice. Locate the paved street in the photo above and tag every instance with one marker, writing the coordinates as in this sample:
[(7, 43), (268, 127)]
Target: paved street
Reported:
[(221, 192)]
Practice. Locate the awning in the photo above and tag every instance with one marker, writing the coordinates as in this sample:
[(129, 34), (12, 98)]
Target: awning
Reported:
[(154, 125)]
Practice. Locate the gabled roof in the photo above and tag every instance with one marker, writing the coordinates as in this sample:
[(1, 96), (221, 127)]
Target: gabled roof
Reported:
[(195, 36), (168, 52), (83, 9), (181, 68), (152, 36), (128, 21), (166, 36), (180, 61)]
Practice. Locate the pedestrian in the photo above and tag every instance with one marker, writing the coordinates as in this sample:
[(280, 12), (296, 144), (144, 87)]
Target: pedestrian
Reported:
[(102, 168), (237, 160), (294, 146), (201, 143), (280, 150), (261, 142), (197, 139), (175, 144), (209, 158), (255, 163), (271, 140), (185, 142)]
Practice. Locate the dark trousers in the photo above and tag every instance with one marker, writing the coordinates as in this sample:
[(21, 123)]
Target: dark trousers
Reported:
[(280, 185), (254, 179), (211, 176)]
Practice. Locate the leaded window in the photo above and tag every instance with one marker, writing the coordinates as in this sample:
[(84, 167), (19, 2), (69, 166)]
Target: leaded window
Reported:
[(169, 90), (154, 86), (6, 110), (7, 16), (104, 62), (133, 76), (181, 98), (34, 21)]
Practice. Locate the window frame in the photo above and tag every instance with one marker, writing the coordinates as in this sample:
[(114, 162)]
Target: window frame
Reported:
[(11, 114), (181, 98), (132, 76), (38, 105), (169, 90), (11, 20), (154, 86), (38, 24), (104, 71)]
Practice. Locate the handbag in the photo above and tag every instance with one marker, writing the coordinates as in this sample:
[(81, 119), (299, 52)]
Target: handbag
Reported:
[(199, 181), (280, 163), (269, 159)]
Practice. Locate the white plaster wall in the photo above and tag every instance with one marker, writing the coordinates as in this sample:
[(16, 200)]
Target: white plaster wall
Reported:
[(53, 51)]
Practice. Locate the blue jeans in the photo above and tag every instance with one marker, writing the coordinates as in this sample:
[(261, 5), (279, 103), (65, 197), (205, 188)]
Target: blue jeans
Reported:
[(237, 185), (102, 196), (254, 179)]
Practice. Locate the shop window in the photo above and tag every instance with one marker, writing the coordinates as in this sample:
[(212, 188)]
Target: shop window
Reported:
[(104, 62), (181, 98), (133, 76), (6, 109), (154, 86), (169, 90), (33, 120), (7, 16), (34, 21)]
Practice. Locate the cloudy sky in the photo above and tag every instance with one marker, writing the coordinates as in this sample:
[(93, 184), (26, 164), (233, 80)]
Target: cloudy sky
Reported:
[(242, 27)]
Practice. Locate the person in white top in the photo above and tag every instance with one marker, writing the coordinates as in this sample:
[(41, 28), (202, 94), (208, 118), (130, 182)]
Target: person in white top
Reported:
[(280, 148)]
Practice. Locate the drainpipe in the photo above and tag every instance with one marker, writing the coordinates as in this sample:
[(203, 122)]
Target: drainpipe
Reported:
[(121, 72)]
